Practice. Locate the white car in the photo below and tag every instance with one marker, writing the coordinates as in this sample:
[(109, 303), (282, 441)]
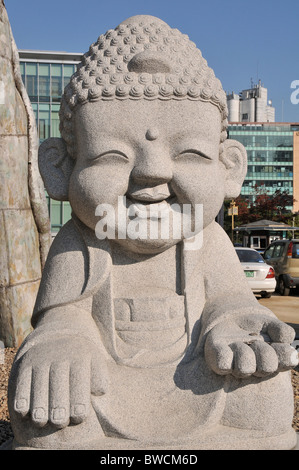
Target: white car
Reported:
[(260, 275)]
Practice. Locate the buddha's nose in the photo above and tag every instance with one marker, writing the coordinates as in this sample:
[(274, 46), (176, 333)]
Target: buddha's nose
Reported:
[(152, 169)]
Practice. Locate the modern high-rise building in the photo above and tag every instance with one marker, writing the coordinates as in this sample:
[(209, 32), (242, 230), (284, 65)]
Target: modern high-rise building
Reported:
[(45, 75), (272, 148), (250, 105), (273, 157)]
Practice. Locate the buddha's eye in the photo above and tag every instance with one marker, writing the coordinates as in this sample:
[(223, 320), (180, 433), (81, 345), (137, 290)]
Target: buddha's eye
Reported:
[(111, 155), (191, 153)]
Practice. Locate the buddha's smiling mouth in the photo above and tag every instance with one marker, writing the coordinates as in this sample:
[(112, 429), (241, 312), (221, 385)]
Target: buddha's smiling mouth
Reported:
[(151, 195), (152, 200)]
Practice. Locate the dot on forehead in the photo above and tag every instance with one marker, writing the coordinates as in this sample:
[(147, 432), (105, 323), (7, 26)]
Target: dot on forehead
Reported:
[(152, 133)]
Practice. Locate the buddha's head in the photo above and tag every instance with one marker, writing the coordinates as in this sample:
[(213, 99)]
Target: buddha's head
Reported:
[(144, 118)]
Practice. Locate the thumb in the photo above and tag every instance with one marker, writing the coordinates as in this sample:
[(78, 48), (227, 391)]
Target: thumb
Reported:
[(280, 332)]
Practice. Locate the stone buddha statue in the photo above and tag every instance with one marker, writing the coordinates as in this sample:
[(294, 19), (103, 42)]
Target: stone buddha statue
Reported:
[(146, 333)]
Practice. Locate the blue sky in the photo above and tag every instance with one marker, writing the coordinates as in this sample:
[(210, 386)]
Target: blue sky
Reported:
[(241, 40)]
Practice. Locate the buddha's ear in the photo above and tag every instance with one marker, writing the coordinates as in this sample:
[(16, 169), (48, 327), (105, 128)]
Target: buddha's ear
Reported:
[(234, 158), (56, 166)]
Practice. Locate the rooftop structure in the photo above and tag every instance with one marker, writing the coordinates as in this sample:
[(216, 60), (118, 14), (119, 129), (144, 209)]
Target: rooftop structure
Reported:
[(251, 105)]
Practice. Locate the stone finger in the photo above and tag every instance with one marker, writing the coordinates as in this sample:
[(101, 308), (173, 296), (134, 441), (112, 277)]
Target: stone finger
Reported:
[(219, 356), (244, 363), (266, 359), (287, 356), (39, 396), (23, 391), (59, 394), (79, 391)]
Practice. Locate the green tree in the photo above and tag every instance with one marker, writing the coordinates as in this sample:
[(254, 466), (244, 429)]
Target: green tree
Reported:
[(263, 206), (271, 207)]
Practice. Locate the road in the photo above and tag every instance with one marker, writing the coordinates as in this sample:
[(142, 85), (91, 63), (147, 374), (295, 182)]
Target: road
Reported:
[(286, 308)]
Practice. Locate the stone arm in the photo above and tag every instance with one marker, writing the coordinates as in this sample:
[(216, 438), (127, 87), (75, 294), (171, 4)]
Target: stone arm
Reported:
[(58, 367), (62, 362), (239, 336)]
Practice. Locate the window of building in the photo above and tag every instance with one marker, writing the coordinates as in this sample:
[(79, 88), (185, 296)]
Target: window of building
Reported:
[(44, 121), (56, 82), (68, 71), (259, 242), (67, 211), (44, 82), (56, 214), (31, 81), (55, 120), (22, 71), (261, 141), (35, 110)]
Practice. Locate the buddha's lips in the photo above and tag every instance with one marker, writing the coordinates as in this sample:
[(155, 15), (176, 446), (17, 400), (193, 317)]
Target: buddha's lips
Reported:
[(150, 195), (148, 202), (149, 198)]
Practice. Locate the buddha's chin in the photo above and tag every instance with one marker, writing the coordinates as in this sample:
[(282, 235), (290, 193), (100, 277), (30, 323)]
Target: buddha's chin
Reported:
[(147, 246)]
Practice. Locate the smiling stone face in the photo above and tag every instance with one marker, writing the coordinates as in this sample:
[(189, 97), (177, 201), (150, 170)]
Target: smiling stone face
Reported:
[(153, 153), (143, 124)]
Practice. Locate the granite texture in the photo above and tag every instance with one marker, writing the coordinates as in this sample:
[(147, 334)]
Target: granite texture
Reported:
[(147, 338), (25, 229)]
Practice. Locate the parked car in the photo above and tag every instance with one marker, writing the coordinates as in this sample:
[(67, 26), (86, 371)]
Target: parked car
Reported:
[(283, 255), (260, 275)]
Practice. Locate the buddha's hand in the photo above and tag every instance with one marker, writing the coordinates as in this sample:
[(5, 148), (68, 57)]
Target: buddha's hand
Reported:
[(53, 381), (256, 345)]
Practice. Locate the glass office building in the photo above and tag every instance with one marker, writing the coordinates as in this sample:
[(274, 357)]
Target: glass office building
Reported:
[(45, 75), (271, 152)]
